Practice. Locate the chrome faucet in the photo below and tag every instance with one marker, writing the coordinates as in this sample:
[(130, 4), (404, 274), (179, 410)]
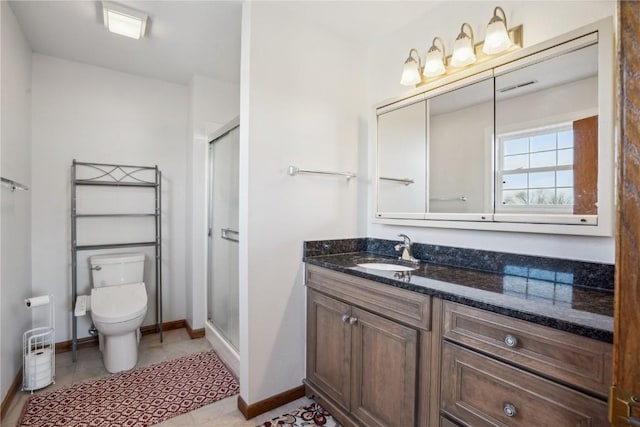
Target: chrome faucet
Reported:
[(406, 249)]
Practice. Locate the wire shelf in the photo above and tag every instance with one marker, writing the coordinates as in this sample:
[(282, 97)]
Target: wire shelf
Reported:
[(113, 175)]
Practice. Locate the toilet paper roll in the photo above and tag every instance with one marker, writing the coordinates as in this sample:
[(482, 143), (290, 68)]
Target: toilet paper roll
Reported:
[(38, 365), (37, 301), (39, 358)]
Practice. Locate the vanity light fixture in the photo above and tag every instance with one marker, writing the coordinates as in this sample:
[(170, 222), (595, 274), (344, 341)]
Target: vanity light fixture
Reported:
[(412, 69), (497, 39), (434, 63), (123, 20), (463, 48)]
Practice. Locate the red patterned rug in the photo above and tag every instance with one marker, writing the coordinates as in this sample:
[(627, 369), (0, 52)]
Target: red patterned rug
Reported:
[(137, 398), (308, 416)]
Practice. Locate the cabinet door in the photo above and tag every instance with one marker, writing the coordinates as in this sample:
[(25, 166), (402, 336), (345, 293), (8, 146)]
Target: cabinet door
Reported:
[(384, 356), (329, 346)]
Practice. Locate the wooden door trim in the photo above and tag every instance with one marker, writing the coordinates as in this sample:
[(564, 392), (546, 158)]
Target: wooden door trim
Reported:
[(626, 369)]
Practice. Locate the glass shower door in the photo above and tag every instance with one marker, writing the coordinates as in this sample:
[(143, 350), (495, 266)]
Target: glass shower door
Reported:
[(222, 304)]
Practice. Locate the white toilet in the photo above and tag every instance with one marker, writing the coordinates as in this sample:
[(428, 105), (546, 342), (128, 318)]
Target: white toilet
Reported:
[(118, 307)]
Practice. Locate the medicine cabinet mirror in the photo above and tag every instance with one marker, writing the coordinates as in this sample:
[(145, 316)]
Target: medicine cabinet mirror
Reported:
[(523, 146)]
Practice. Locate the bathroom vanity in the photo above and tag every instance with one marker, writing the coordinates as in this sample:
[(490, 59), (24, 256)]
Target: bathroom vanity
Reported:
[(525, 342)]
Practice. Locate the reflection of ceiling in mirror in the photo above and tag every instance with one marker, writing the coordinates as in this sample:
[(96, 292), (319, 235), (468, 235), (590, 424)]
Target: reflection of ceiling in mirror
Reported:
[(461, 98), (557, 71)]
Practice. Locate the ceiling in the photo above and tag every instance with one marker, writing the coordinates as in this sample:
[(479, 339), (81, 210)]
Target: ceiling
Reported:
[(187, 37), (183, 37)]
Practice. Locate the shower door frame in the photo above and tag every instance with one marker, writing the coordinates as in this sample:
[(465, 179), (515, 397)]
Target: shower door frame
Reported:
[(230, 235)]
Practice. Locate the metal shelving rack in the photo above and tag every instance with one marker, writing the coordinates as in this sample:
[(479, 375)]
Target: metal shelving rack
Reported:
[(115, 176)]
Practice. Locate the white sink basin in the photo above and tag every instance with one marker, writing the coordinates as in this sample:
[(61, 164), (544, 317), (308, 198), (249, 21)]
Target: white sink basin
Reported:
[(385, 266)]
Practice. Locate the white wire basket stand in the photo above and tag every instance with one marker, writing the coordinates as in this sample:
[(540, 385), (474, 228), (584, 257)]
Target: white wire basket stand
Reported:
[(38, 355)]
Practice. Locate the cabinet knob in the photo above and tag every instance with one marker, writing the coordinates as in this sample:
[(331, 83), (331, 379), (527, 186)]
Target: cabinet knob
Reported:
[(353, 320), (345, 317), (509, 410), (510, 341)]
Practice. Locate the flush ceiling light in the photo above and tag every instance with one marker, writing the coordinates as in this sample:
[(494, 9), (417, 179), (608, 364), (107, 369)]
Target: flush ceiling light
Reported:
[(434, 63), (497, 39), (463, 48), (124, 20), (411, 69)]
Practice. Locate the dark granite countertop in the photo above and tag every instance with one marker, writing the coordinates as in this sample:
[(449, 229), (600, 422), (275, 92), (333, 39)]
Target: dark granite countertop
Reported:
[(556, 297)]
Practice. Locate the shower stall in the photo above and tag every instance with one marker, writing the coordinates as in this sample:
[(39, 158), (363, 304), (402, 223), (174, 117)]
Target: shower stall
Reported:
[(222, 262)]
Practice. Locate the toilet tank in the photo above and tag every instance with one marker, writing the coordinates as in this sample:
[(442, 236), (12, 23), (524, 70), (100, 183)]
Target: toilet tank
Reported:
[(116, 269)]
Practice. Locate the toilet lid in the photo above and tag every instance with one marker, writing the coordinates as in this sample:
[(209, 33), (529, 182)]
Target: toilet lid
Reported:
[(118, 303)]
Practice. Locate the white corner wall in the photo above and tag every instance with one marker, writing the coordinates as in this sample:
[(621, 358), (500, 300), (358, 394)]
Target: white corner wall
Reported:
[(15, 152), (98, 115), (301, 104), (541, 20), (212, 103)]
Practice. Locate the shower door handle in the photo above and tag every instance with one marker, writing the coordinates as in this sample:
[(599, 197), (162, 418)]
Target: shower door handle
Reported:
[(229, 234)]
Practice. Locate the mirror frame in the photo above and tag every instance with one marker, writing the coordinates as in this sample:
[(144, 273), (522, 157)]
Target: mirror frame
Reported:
[(600, 32)]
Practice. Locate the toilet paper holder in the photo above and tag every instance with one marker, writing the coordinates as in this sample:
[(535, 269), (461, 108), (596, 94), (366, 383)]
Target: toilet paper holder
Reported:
[(38, 349)]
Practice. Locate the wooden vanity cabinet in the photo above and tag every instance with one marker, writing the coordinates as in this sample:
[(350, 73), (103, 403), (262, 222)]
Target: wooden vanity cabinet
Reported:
[(378, 355), (362, 364)]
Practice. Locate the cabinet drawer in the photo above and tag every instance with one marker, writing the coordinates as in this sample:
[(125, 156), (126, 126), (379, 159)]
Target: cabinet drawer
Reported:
[(572, 359), (408, 307), (482, 392)]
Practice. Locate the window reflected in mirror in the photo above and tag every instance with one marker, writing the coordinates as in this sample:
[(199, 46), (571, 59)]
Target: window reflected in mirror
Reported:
[(536, 168)]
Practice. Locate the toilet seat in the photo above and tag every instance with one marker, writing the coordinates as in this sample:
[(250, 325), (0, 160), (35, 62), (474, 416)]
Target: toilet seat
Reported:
[(118, 303)]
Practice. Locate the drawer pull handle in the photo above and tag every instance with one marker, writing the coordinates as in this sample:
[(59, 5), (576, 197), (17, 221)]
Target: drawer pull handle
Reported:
[(345, 317), (510, 341), (509, 410), (353, 320)]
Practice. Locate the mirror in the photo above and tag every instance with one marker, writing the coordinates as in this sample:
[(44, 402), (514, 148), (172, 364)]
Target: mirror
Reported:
[(547, 137), (460, 155), (529, 142), (402, 161)]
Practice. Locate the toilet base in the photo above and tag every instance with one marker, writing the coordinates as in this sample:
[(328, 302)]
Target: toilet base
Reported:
[(119, 352)]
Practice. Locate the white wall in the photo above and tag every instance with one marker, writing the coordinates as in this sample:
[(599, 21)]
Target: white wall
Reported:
[(541, 20), (15, 155), (301, 100), (94, 114), (212, 103)]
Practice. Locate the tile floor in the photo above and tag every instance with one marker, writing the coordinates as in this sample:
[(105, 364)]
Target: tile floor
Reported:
[(177, 343)]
